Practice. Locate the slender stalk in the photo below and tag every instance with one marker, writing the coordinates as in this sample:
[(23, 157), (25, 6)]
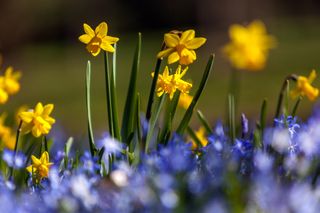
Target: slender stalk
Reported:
[(282, 93), (108, 94), (114, 101), (153, 85), (204, 122), (45, 144), (15, 148), (153, 122), (88, 102), (232, 128), (295, 108)]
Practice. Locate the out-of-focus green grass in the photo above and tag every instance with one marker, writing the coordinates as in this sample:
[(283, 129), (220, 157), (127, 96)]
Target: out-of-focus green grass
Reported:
[(55, 73)]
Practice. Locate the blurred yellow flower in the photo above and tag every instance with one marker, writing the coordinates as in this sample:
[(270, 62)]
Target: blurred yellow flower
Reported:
[(185, 100), (40, 167), (181, 47), (304, 87), (9, 82), (7, 138), (97, 39), (170, 83), (37, 121), (201, 135), (3, 96), (22, 108), (249, 46)]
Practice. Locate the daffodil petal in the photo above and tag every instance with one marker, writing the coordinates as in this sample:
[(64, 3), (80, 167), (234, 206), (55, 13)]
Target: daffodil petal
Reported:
[(85, 38), (165, 53), (107, 47), (187, 36), (36, 132), (47, 109), (35, 161), (171, 39), (173, 57), (101, 30), (26, 116), (312, 76), (38, 110), (88, 30), (195, 43), (110, 39)]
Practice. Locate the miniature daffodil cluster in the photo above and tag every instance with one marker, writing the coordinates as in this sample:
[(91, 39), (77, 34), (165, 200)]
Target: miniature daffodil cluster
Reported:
[(37, 121), (304, 87), (40, 167), (97, 39), (249, 46), (7, 136), (170, 83), (180, 47), (9, 84)]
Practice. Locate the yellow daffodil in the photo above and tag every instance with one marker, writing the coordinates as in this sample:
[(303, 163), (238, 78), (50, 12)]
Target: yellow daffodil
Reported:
[(180, 47), (10, 81), (37, 121), (304, 87), (185, 100), (249, 46), (3, 96), (97, 39), (7, 138), (171, 83), (40, 167), (201, 135)]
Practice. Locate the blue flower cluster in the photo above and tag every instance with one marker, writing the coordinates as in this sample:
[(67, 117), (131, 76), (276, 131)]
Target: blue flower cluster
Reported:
[(224, 176)]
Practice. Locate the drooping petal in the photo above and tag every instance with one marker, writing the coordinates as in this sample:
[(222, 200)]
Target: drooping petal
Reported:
[(171, 39), (85, 38), (101, 30), (165, 53), (26, 116), (88, 30), (107, 47), (36, 132), (173, 57), (110, 39), (187, 36), (312, 76), (195, 43)]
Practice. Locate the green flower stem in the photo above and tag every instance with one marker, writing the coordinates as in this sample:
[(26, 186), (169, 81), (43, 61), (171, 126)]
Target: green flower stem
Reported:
[(88, 102), (295, 108), (45, 144), (15, 147), (129, 110), (108, 94), (168, 117), (194, 137), (114, 95), (153, 121), (188, 114), (154, 84), (282, 93), (231, 118)]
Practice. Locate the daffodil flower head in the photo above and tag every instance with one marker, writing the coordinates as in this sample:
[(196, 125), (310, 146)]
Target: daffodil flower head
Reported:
[(97, 39), (40, 167), (304, 87), (180, 47), (169, 84), (37, 121), (249, 46), (10, 81)]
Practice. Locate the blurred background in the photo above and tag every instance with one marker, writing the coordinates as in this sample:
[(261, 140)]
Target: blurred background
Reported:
[(40, 38)]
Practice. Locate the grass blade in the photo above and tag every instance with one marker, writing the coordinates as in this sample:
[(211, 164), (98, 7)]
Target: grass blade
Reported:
[(188, 114), (129, 110), (231, 118), (204, 122)]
